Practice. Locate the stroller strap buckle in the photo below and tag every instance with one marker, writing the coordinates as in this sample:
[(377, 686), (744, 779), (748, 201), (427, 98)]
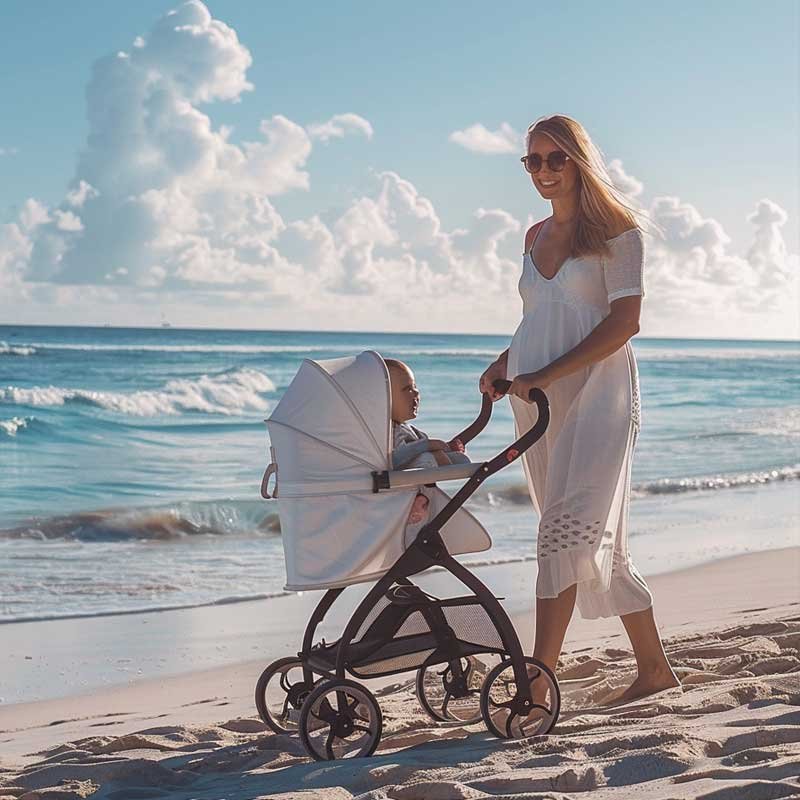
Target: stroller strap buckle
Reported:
[(380, 480)]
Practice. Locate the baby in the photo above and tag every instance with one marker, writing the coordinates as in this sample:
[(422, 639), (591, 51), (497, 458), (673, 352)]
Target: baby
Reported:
[(411, 446)]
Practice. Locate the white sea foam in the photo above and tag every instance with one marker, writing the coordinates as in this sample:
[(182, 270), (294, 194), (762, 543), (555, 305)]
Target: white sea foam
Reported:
[(11, 426), (187, 348), (7, 349), (255, 349), (517, 494), (168, 523), (648, 352), (238, 392), (716, 482), (645, 351)]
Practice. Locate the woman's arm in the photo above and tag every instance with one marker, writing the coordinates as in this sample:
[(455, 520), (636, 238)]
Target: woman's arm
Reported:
[(606, 338), (496, 370)]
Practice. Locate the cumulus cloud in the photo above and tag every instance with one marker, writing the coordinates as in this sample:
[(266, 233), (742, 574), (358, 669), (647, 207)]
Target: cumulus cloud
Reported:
[(166, 207), (338, 126), (626, 183), (480, 139), (391, 244), (692, 274), (160, 197)]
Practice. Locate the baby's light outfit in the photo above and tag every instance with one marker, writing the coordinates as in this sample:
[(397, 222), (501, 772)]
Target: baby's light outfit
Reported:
[(410, 449)]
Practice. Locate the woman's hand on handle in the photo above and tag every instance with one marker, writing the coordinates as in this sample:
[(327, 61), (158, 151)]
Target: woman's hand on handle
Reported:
[(521, 385), (495, 371)]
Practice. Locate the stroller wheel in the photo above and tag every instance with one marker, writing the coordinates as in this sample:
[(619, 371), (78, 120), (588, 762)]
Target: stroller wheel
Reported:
[(446, 697), (280, 693), (500, 703), (340, 719)]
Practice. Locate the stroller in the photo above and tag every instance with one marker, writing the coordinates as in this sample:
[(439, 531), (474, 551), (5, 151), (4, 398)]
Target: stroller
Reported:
[(343, 513)]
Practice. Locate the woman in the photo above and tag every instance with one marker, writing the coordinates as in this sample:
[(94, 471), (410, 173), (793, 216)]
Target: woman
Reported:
[(582, 288)]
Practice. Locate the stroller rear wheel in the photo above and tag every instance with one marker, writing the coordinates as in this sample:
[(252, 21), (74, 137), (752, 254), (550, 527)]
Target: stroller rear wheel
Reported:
[(280, 693), (340, 719), (500, 701), (449, 697)]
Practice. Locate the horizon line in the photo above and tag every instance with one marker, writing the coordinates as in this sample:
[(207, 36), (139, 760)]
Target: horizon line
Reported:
[(108, 326)]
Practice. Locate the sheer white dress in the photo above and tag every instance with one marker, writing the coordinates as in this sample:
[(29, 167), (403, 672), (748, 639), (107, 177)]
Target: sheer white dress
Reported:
[(579, 472)]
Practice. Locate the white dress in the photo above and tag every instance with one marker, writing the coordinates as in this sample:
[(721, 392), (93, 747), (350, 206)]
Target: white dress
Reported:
[(579, 472)]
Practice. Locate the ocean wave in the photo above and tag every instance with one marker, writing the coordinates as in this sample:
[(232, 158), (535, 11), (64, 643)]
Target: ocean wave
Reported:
[(255, 349), (7, 349), (714, 482), (647, 352), (10, 427), (169, 523), (189, 348), (236, 392), (517, 494)]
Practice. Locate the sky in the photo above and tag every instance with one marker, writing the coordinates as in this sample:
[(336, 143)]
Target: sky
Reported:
[(355, 166)]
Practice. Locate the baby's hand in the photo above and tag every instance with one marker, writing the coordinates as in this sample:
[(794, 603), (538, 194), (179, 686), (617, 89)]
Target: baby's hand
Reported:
[(437, 444), (456, 445)]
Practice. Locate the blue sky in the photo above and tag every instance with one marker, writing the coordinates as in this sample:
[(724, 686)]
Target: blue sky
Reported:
[(699, 101)]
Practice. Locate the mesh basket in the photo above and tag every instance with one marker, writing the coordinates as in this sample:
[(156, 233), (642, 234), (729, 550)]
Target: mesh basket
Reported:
[(398, 637)]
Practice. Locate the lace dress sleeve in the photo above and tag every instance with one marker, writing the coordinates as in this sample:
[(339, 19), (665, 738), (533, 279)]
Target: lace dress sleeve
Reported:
[(624, 268)]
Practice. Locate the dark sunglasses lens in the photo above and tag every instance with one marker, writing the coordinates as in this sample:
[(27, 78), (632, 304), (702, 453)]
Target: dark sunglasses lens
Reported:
[(533, 163), (556, 160)]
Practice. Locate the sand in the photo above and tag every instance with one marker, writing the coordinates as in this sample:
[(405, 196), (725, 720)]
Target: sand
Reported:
[(732, 732)]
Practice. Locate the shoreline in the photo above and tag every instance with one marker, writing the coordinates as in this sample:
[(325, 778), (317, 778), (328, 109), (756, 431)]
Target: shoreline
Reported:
[(669, 531), (250, 641), (731, 630), (767, 517)]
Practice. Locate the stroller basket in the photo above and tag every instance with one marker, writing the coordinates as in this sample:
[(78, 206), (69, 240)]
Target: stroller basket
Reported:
[(400, 635)]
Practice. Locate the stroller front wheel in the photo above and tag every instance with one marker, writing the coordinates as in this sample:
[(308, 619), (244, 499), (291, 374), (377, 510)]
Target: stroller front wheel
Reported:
[(340, 719), (280, 692), (500, 701)]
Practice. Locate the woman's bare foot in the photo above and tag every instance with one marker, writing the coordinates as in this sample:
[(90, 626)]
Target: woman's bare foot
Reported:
[(540, 696), (643, 686)]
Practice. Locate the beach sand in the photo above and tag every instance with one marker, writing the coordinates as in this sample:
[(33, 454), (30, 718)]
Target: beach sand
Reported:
[(731, 628)]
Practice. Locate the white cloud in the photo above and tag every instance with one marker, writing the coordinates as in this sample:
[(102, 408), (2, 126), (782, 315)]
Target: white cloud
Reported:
[(67, 221), (480, 139), (627, 184), (165, 207), (698, 287), (78, 196), (338, 126), (164, 197), (8, 151)]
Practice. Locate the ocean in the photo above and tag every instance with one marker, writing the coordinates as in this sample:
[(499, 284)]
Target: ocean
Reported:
[(130, 459)]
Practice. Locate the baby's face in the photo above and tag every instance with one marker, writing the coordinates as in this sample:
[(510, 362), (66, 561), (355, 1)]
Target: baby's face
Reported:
[(405, 396)]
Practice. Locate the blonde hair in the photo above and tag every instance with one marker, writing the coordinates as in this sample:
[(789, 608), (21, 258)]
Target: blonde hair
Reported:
[(603, 210)]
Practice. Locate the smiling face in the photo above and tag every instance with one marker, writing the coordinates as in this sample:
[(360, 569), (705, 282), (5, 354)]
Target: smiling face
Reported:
[(549, 183), (405, 395)]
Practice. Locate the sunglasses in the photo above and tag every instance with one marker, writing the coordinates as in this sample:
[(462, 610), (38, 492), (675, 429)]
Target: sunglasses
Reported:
[(556, 161)]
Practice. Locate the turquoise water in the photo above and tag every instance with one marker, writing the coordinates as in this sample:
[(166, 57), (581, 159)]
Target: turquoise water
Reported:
[(130, 460)]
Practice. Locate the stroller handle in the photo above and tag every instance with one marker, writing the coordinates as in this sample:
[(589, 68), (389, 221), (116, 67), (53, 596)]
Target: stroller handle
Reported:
[(471, 431)]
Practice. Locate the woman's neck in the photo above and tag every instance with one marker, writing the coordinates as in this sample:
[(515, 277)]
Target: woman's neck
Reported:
[(565, 210)]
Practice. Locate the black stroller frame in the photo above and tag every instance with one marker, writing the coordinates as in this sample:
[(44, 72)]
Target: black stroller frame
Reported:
[(437, 631)]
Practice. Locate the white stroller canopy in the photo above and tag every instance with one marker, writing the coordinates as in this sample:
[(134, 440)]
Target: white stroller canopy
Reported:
[(342, 407), (329, 432)]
